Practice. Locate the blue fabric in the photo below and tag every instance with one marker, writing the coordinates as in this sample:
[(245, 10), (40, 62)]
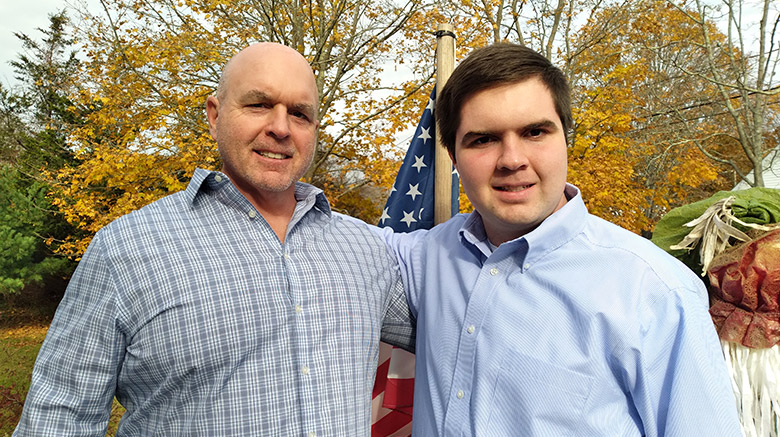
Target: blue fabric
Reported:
[(201, 322), (577, 328), (410, 205)]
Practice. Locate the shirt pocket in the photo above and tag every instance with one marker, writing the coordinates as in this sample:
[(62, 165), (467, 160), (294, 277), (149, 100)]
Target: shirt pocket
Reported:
[(534, 397)]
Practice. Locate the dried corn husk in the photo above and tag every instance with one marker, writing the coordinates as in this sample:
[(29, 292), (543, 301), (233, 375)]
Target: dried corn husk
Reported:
[(714, 230)]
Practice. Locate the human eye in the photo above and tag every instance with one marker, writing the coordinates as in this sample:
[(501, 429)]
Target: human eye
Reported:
[(300, 115), (480, 140), (302, 112), (539, 130)]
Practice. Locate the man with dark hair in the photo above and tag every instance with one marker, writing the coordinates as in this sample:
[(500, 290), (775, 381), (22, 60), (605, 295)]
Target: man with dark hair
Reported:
[(535, 317), (241, 306), (509, 63)]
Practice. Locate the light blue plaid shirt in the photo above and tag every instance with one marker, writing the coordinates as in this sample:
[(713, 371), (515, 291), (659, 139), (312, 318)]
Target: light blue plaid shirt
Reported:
[(193, 314)]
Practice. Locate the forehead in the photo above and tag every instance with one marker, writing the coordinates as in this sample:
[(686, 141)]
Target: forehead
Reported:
[(281, 76), (523, 91), (506, 105)]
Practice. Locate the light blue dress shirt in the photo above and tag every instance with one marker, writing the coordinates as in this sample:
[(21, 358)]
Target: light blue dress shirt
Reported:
[(201, 322), (579, 328)]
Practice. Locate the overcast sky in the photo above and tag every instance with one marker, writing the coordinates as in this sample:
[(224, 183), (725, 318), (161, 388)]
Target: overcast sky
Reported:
[(22, 16), (25, 16)]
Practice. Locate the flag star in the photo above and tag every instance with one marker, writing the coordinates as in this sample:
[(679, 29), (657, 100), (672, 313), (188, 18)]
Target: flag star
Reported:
[(420, 214), (425, 135), (393, 190), (430, 105), (414, 191), (418, 163), (408, 218), (454, 171), (385, 216)]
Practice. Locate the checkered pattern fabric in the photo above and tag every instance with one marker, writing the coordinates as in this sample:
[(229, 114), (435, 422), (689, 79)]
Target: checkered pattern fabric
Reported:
[(193, 314)]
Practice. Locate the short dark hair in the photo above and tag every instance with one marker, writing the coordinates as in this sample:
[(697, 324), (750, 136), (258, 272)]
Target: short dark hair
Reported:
[(492, 66)]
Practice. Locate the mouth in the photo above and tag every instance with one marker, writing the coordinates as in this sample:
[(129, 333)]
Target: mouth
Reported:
[(272, 155), (512, 188)]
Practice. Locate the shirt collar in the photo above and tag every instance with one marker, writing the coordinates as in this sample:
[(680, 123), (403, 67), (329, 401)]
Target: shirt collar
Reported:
[(308, 196), (195, 184), (556, 230)]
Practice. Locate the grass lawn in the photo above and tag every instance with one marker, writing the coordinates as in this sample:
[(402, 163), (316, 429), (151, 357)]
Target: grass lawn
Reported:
[(21, 335)]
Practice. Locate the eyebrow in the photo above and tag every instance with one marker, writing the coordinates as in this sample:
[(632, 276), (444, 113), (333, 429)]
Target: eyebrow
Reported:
[(546, 124), (257, 95)]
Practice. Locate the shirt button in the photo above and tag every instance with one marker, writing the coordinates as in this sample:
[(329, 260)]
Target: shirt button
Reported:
[(470, 329), (298, 309), (312, 434), (287, 256), (218, 178), (460, 394), (527, 266), (305, 370), (494, 271), (252, 214)]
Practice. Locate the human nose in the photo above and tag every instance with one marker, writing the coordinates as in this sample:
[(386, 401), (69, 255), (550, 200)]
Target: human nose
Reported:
[(513, 155), (278, 122)]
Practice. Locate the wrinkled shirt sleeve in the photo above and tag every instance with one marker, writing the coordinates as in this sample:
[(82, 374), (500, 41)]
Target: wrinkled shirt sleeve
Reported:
[(407, 249), (679, 387), (74, 379), (398, 325)]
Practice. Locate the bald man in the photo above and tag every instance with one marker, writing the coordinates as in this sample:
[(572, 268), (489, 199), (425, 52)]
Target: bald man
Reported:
[(240, 306)]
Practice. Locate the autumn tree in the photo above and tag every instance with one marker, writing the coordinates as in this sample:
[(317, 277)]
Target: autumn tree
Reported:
[(740, 65), (152, 63), (602, 159), (628, 84)]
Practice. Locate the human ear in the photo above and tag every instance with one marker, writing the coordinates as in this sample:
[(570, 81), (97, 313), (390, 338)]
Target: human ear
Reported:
[(212, 112)]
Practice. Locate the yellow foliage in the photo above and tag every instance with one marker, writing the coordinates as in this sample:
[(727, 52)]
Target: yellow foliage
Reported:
[(631, 164), (152, 63)]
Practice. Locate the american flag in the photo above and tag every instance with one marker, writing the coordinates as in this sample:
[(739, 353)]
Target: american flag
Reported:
[(409, 207)]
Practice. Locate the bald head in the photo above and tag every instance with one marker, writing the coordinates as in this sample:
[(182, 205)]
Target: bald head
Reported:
[(264, 52), (264, 119)]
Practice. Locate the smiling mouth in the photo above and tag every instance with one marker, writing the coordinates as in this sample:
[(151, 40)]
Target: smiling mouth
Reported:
[(513, 188), (272, 155)]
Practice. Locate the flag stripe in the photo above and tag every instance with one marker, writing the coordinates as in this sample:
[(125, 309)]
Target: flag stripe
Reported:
[(393, 424)]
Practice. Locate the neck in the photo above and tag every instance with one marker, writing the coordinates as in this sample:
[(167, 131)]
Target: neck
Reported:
[(277, 208)]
